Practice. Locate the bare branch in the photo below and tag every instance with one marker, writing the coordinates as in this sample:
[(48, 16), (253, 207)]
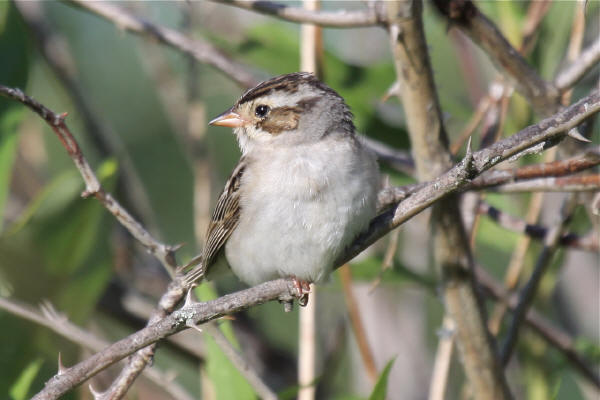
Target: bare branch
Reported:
[(58, 323), (196, 313), (551, 242), (550, 129), (199, 49), (430, 148), (571, 74), (585, 183), (589, 242), (443, 356), (589, 159), (467, 17), (555, 337), (164, 253), (356, 322), (400, 160), (333, 19)]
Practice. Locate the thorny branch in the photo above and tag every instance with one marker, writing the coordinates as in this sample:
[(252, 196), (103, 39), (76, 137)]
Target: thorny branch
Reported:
[(164, 253), (59, 323), (551, 129)]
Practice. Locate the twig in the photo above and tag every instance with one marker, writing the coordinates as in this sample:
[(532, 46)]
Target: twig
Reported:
[(193, 314), (590, 242), (356, 322), (333, 19), (400, 160), (201, 50), (58, 323), (458, 177), (482, 107), (540, 325), (528, 293), (589, 159), (443, 357), (164, 253), (467, 17), (549, 129), (262, 390), (584, 183), (54, 47), (572, 73)]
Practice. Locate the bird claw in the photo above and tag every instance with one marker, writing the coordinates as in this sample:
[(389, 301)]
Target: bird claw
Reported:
[(302, 289)]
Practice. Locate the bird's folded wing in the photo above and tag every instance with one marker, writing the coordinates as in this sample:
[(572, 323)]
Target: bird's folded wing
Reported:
[(224, 220)]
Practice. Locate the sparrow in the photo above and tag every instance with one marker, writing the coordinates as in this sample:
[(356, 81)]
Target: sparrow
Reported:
[(303, 189)]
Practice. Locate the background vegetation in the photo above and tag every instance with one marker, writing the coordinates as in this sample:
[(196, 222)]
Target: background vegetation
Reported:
[(151, 147)]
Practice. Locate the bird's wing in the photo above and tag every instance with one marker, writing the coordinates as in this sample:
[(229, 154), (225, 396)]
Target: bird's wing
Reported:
[(224, 220), (226, 215)]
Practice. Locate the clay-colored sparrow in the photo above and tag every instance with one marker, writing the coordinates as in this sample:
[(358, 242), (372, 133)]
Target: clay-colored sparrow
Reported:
[(303, 189)]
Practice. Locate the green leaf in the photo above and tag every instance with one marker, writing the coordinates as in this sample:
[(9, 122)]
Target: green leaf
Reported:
[(8, 151), (21, 387), (380, 389), (226, 379)]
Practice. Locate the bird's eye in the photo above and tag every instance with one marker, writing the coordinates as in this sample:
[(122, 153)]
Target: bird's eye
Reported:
[(261, 110)]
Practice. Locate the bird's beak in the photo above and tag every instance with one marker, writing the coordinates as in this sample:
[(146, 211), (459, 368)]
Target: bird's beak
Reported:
[(229, 119)]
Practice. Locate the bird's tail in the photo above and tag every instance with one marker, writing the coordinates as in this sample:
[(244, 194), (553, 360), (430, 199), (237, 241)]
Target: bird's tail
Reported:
[(193, 271)]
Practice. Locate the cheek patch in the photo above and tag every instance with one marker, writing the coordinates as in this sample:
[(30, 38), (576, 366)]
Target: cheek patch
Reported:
[(281, 119)]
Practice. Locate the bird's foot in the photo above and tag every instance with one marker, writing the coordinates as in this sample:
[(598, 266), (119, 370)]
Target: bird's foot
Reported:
[(303, 289)]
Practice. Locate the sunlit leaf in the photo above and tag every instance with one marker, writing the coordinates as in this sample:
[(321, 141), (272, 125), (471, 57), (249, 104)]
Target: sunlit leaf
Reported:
[(22, 385), (226, 379)]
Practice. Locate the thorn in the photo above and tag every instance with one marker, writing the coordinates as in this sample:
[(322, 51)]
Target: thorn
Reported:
[(176, 246), (189, 300), (61, 367), (393, 90), (190, 324), (574, 133), (97, 395), (469, 153)]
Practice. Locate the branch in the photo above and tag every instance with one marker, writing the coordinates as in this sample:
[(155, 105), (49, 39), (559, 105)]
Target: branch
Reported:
[(467, 17), (585, 183), (552, 128), (549, 130), (540, 325), (527, 295), (588, 159), (429, 146), (571, 74), (399, 160), (199, 49), (191, 314), (59, 324), (333, 19), (164, 253), (507, 221)]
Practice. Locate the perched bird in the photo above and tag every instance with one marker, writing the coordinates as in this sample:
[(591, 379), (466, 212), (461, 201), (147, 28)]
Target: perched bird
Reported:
[(303, 189)]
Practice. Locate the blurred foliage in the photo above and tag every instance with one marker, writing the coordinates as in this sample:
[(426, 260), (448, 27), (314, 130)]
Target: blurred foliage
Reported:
[(55, 245)]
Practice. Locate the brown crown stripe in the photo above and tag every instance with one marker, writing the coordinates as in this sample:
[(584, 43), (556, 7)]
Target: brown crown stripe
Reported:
[(288, 83)]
